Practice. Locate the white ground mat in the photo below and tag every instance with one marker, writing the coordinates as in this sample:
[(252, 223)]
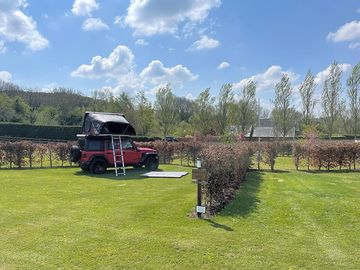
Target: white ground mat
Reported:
[(165, 174)]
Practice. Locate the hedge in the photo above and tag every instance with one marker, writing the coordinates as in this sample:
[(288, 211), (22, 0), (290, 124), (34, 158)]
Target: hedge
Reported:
[(22, 154), (58, 133), (326, 154), (66, 133)]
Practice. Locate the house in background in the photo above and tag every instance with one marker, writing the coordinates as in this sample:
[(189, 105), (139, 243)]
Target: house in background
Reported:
[(266, 131)]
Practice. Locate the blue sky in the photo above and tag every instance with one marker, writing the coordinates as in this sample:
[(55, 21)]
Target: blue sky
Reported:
[(130, 45)]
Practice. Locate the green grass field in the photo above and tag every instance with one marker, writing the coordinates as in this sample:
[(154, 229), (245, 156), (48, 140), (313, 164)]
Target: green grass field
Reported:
[(63, 218)]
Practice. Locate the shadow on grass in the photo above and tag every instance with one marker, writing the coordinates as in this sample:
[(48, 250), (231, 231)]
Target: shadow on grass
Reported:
[(218, 225), (131, 174), (246, 199), (330, 171), (275, 171)]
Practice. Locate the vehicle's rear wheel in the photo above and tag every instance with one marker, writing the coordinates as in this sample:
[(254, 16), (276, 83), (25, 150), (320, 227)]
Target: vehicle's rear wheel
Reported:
[(98, 166), (75, 153), (151, 164)]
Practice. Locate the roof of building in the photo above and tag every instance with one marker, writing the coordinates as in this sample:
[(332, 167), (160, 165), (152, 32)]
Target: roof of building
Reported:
[(269, 132)]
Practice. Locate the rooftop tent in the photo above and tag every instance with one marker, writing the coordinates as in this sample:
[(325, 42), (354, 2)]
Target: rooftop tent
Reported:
[(96, 123)]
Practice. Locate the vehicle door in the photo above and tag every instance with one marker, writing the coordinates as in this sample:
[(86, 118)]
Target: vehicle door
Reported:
[(131, 154)]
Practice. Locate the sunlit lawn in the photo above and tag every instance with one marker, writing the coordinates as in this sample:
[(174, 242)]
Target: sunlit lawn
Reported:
[(63, 218)]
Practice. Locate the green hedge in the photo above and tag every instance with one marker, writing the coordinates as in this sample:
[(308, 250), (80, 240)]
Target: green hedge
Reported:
[(67, 133), (145, 139)]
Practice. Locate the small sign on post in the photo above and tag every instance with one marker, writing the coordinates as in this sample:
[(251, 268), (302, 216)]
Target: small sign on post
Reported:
[(199, 177), (199, 174)]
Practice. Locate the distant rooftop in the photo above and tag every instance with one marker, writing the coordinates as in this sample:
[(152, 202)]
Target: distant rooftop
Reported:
[(268, 132)]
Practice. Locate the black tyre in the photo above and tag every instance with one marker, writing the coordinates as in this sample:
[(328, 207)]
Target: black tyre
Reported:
[(151, 164), (75, 153), (98, 166), (85, 169)]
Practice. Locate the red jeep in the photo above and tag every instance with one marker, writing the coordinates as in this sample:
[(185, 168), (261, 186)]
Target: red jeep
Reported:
[(96, 154), (95, 151)]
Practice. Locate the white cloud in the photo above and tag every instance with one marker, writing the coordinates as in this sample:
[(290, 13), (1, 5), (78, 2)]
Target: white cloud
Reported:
[(119, 20), (3, 48), (141, 42), (5, 76), (223, 65), (119, 62), (322, 75), (150, 17), (94, 24), (268, 79), (16, 26), (119, 67), (84, 7), (204, 43), (157, 73), (190, 96), (348, 32), (354, 45)]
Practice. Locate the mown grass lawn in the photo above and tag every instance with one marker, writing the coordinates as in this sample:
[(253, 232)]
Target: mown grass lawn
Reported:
[(62, 218)]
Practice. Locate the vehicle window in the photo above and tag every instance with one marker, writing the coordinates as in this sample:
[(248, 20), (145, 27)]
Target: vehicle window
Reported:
[(94, 145), (126, 144)]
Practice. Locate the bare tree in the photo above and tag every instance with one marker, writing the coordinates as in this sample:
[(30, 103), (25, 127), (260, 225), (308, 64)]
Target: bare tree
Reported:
[(283, 114), (226, 98), (307, 91), (166, 109), (331, 99), (247, 107), (353, 92)]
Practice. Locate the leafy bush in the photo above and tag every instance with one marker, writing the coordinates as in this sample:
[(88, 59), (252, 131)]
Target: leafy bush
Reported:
[(270, 153), (226, 165), (327, 154)]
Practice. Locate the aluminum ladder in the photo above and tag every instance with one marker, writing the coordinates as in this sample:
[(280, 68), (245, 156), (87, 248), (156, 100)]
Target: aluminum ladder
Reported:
[(118, 155)]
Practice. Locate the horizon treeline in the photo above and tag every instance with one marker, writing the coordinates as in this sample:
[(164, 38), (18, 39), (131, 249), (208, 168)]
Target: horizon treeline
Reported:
[(169, 114)]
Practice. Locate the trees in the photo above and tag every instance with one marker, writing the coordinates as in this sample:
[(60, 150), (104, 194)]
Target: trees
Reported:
[(22, 110), (166, 110), (307, 92), (123, 104), (145, 114), (186, 108), (247, 107), (283, 114), (7, 111), (331, 99), (47, 116), (353, 84), (226, 98), (204, 118)]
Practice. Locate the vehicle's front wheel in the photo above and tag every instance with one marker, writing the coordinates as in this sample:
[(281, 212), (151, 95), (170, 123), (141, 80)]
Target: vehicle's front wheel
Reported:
[(151, 164), (98, 166), (85, 169)]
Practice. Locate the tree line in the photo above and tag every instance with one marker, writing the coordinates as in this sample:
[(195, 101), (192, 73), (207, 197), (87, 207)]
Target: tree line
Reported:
[(169, 114)]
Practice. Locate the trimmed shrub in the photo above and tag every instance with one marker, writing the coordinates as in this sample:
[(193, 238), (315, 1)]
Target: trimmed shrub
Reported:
[(62, 133), (270, 153), (226, 165)]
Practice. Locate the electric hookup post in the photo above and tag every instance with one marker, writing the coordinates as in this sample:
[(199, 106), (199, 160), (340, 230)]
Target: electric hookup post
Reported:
[(199, 177)]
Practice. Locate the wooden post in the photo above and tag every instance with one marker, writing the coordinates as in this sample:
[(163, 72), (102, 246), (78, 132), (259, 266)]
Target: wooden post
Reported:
[(199, 197), (199, 177)]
